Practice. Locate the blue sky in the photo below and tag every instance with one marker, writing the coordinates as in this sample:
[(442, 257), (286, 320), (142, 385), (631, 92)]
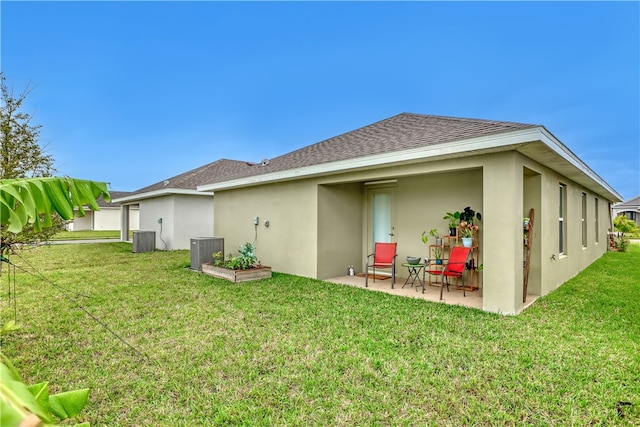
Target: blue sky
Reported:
[(134, 92)]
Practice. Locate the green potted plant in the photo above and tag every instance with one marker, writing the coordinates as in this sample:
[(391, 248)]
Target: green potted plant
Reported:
[(437, 253), (468, 229), (434, 233), (468, 215), (453, 218)]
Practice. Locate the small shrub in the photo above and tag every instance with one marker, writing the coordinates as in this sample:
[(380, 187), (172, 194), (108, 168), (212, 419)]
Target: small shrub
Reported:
[(620, 243)]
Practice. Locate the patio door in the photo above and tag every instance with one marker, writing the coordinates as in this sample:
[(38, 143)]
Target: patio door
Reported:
[(380, 222)]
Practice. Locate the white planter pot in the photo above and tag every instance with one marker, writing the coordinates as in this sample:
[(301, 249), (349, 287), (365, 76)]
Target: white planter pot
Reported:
[(467, 242)]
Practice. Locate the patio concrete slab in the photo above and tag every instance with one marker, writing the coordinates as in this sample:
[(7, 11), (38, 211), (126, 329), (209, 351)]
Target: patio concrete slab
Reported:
[(431, 293)]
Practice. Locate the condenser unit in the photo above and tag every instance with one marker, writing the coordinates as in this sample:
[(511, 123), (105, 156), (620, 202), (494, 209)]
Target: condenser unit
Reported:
[(203, 248), (144, 241)]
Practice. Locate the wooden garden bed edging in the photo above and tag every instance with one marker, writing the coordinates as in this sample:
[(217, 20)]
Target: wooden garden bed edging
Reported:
[(236, 276)]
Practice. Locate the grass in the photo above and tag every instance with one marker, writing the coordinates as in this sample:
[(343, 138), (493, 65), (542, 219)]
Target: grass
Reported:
[(88, 234), (296, 351)]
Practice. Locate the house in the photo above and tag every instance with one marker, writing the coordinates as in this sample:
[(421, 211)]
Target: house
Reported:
[(317, 210), (629, 208), (107, 218), (173, 207)]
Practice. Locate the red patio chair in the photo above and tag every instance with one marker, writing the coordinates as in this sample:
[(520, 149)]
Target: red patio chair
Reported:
[(454, 267), (384, 256)]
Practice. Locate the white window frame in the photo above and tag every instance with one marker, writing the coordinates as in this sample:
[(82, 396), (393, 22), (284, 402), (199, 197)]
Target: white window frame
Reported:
[(584, 220), (562, 225)]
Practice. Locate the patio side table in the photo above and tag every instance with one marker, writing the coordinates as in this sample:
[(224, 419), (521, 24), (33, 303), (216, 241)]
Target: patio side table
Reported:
[(414, 273)]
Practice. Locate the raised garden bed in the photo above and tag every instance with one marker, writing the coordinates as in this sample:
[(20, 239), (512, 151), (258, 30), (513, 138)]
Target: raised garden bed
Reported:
[(236, 276)]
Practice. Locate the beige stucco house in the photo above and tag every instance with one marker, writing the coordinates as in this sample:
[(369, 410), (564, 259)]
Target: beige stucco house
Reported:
[(173, 208), (107, 218), (321, 207)]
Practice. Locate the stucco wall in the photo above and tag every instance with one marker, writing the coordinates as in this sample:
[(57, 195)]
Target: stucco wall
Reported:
[(192, 219), (104, 219), (339, 229), (183, 217), (290, 242)]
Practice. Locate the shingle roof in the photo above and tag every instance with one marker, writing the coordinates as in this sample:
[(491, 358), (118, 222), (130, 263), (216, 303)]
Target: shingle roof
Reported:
[(190, 180), (631, 203), (114, 195), (401, 132)]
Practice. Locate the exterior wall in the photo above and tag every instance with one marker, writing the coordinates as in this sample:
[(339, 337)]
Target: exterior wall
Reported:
[(290, 242), (183, 217), (521, 184), (502, 230), (556, 268), (82, 222), (192, 219), (422, 202), (339, 229), (151, 210), (104, 219)]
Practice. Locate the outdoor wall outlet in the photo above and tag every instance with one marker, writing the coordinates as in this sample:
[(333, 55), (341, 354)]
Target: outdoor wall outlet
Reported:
[(255, 220), (159, 220)]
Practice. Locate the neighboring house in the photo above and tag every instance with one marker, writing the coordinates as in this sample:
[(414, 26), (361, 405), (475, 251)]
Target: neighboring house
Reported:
[(107, 218), (630, 209), (174, 209), (321, 207)]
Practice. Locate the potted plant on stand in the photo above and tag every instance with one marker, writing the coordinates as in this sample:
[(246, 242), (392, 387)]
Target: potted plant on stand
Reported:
[(467, 232), (453, 218), (434, 233), (437, 252)]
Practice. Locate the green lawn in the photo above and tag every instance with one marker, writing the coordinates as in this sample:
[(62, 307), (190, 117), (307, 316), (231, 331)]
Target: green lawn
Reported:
[(295, 351), (88, 234)]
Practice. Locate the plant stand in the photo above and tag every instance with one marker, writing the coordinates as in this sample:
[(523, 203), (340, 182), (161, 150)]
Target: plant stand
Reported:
[(236, 276)]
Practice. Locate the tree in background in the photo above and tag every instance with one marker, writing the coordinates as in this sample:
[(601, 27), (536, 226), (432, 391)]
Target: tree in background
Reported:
[(21, 156), (625, 225)]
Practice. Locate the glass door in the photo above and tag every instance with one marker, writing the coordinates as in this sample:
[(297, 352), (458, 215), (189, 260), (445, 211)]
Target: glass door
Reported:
[(380, 216)]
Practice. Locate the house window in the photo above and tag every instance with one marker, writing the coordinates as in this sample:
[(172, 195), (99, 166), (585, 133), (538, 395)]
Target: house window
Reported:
[(562, 208), (584, 220), (597, 226)]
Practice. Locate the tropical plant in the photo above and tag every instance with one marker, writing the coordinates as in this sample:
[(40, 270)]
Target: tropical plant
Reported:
[(468, 215), (434, 232), (22, 405), (26, 201), (424, 237), (32, 201), (467, 230), (453, 218)]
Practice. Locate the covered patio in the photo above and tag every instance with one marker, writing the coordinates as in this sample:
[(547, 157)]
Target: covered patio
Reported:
[(431, 293)]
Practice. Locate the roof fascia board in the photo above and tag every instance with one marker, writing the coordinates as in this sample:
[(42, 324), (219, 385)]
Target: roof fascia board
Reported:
[(159, 193), (446, 149), (562, 150)]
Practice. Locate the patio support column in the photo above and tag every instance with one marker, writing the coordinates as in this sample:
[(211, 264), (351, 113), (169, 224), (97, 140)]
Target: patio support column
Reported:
[(502, 234), (124, 223)]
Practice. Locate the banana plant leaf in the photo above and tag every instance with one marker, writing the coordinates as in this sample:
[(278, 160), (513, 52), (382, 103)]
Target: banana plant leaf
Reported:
[(32, 200)]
